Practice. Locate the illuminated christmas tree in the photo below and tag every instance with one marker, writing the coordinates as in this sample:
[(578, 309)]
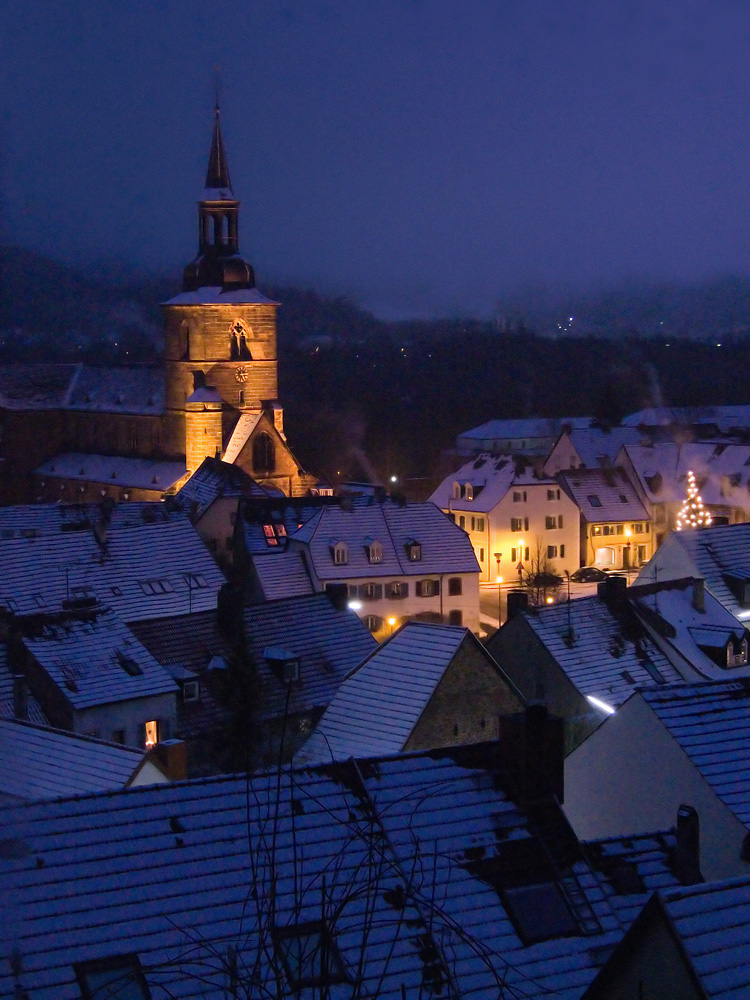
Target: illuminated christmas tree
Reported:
[(692, 514)]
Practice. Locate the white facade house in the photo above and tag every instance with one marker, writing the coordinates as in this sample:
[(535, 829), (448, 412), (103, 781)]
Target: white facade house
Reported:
[(681, 744), (511, 517)]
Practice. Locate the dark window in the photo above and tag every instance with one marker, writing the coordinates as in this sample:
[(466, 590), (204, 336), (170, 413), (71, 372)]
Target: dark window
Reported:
[(594, 500), (371, 591), (550, 522), (117, 978), (373, 622), (455, 586), (264, 459), (398, 589), (309, 955), (455, 618)]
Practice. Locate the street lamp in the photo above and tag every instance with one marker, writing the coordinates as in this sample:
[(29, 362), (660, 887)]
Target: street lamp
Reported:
[(520, 562)]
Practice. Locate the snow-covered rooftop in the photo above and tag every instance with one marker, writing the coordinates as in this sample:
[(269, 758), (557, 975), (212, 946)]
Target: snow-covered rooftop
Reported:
[(216, 295), (604, 495), (110, 470), (490, 477)]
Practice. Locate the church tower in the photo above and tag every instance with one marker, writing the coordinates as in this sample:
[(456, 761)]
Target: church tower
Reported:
[(220, 348)]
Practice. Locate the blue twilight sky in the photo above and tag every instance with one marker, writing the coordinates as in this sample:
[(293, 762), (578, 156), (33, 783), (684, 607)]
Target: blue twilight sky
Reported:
[(424, 156)]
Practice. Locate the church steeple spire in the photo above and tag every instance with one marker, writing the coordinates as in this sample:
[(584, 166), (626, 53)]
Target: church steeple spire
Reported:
[(217, 175), (218, 261)]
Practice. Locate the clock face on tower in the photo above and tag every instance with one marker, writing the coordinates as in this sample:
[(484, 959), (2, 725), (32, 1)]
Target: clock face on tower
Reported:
[(241, 373)]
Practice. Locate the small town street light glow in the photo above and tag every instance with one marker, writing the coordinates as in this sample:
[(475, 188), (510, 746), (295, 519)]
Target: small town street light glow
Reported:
[(355, 605)]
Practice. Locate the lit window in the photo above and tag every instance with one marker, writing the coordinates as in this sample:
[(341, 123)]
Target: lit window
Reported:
[(119, 977), (152, 733), (414, 551), (398, 589), (374, 551), (468, 492)]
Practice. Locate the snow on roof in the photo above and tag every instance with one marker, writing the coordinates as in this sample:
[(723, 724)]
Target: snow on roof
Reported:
[(147, 570), (109, 470), (711, 723), (529, 428), (242, 431), (712, 553), (726, 418), (282, 574), (490, 477), (36, 387), (691, 631), (721, 470), (713, 924), (598, 448), (611, 654), (379, 704), (216, 295), (604, 495), (94, 659), (443, 546), (138, 389), (41, 763), (162, 872), (215, 478)]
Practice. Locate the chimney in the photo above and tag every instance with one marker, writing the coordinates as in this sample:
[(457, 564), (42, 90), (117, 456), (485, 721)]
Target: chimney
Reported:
[(687, 851), (612, 590), (699, 595), (533, 748), (20, 697), (518, 601), (171, 757), (338, 595)]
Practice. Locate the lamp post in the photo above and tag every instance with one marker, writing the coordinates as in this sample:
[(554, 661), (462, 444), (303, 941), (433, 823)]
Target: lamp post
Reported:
[(628, 534), (499, 582), (519, 567)]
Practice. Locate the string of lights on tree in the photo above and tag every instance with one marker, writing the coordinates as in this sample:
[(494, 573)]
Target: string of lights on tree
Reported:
[(692, 513)]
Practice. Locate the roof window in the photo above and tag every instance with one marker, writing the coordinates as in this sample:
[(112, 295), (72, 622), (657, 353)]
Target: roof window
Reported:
[(594, 500), (309, 955), (118, 976), (151, 587), (196, 581)]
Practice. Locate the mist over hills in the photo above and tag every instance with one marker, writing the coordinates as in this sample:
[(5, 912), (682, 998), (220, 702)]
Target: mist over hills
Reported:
[(361, 393)]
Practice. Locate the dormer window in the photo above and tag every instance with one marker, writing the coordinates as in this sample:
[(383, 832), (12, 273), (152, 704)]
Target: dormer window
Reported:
[(456, 491), (737, 653), (374, 550), (339, 553), (283, 662), (468, 491), (413, 551)]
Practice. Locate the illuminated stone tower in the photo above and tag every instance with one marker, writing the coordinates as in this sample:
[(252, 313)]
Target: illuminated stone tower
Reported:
[(220, 349)]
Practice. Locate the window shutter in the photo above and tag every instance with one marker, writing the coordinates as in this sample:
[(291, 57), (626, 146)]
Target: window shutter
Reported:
[(378, 591)]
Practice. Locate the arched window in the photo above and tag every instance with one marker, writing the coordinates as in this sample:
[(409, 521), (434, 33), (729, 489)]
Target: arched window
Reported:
[(263, 454)]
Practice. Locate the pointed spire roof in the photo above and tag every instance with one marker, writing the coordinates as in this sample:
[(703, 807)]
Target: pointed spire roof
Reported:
[(218, 184)]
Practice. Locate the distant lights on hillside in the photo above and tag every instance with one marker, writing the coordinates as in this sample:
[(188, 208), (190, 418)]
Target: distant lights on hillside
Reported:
[(692, 514)]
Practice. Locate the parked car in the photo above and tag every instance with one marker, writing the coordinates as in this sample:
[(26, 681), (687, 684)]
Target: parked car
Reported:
[(588, 574)]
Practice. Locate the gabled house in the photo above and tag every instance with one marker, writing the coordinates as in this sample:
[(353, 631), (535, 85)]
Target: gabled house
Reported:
[(299, 651), (396, 561), (582, 658), (719, 555), (589, 448), (392, 877), (692, 943), (682, 744), (699, 636), (211, 496), (517, 522), (143, 563), (92, 676), (426, 686), (615, 523), (41, 763), (660, 470), (532, 436)]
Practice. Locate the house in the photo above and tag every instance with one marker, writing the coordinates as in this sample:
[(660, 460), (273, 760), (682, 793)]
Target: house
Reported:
[(41, 763), (582, 658), (299, 651), (211, 495), (92, 676), (425, 686), (699, 636), (615, 524), (681, 744), (397, 561), (689, 943), (517, 522), (589, 448), (661, 470), (389, 878), (718, 555), (144, 563), (532, 436)]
